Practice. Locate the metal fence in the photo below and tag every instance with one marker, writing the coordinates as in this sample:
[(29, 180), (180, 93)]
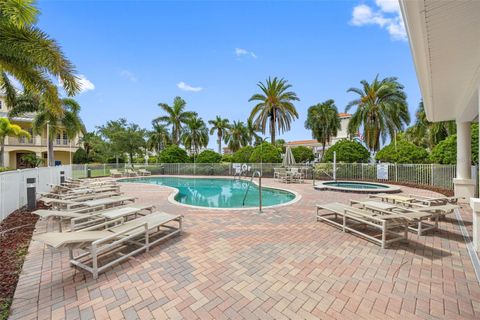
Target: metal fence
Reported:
[(13, 188)]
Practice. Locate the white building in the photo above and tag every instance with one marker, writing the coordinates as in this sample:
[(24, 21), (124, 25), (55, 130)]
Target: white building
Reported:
[(445, 43)]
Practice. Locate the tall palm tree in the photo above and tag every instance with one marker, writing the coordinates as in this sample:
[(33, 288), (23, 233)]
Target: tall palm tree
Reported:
[(30, 56), (221, 126), (428, 134), (46, 118), (382, 110), (252, 129), (176, 117), (195, 135), (324, 122), (275, 106), (237, 136), (8, 129), (158, 138)]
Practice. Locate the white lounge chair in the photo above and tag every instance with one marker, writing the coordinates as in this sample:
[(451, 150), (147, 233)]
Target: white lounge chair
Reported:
[(114, 173), (107, 239), (144, 172)]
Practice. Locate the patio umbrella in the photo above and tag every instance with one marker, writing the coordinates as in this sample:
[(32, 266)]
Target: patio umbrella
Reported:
[(288, 158)]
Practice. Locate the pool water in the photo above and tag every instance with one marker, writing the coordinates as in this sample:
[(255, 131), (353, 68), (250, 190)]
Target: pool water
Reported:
[(355, 185), (218, 193)]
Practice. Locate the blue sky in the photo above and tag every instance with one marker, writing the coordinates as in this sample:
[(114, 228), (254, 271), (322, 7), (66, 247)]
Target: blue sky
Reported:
[(134, 55)]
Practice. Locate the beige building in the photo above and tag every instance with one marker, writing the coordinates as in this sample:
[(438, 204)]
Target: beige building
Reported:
[(317, 146), (15, 148)]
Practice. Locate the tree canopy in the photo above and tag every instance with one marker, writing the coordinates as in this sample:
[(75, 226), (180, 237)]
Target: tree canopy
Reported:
[(267, 153), (303, 154), (349, 151), (402, 152), (173, 154)]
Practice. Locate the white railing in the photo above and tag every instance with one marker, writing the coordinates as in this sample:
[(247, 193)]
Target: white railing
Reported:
[(13, 188)]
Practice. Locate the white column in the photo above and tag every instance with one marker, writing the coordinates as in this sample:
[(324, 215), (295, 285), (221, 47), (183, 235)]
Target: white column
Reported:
[(464, 185), (475, 205)]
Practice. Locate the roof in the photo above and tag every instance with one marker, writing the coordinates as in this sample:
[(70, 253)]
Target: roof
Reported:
[(344, 115), (302, 142), (444, 43)]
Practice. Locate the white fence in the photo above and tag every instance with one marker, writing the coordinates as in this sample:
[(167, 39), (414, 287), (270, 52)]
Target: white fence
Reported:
[(13, 185)]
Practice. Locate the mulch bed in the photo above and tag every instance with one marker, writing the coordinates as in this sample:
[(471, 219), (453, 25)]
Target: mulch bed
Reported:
[(15, 235)]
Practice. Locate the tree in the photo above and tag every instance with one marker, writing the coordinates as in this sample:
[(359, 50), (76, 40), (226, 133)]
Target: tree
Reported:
[(195, 135), (242, 154), (381, 110), (80, 156), (158, 138), (275, 107), (111, 132), (237, 136), (324, 122), (7, 129), (445, 152), (28, 55), (402, 151), (221, 126), (266, 152), (209, 156), (252, 129), (47, 119), (348, 151), (303, 154), (32, 160), (428, 134), (173, 154), (176, 117)]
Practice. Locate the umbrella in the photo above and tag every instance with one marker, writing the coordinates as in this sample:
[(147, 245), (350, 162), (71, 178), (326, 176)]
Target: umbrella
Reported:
[(288, 158)]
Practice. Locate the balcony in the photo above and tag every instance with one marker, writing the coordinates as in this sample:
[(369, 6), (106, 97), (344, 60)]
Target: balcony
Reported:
[(39, 142)]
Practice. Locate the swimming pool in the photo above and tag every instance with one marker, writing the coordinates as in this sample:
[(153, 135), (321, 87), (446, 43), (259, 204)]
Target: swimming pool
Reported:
[(218, 192), (356, 186)]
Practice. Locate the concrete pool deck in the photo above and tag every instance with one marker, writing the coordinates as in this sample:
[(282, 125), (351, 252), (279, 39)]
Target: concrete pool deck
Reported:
[(279, 264)]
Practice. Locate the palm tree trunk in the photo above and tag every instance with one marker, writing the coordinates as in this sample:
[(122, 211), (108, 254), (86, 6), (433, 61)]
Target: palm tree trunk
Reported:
[(2, 150), (323, 151), (51, 156), (272, 130), (220, 144)]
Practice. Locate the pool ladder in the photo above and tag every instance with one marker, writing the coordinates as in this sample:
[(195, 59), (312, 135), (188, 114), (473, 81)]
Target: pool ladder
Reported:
[(259, 189)]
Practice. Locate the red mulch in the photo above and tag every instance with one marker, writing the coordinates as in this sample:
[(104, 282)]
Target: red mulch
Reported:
[(15, 235)]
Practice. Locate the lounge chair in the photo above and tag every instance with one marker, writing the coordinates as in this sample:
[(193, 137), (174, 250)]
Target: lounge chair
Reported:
[(296, 175), (144, 172), (72, 204), (114, 173), (386, 222), (130, 173), (392, 197), (107, 239)]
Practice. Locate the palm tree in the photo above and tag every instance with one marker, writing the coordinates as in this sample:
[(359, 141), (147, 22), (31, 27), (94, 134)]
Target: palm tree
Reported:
[(252, 129), (195, 135), (46, 118), (176, 117), (324, 122), (158, 138), (30, 56), (8, 129), (381, 110), (275, 105), (237, 136), (221, 126), (428, 134)]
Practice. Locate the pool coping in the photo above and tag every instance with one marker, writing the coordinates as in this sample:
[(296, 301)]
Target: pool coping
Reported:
[(175, 191), (321, 185)]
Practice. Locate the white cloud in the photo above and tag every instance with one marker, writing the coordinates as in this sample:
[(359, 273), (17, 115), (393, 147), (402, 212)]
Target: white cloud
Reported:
[(186, 87), (239, 52), (128, 75), (85, 84), (386, 15)]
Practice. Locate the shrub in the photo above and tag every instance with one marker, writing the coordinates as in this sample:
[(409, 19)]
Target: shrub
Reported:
[(227, 158), (445, 152), (403, 152), (243, 154), (266, 152), (173, 154), (303, 154), (80, 156), (347, 151), (208, 156), (3, 169)]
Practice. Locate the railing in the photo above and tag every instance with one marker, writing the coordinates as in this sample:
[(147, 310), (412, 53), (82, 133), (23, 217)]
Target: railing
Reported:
[(13, 190), (38, 141)]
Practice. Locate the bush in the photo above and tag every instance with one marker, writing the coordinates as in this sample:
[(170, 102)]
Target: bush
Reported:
[(243, 154), (227, 158), (303, 154), (445, 152), (267, 153), (80, 156), (347, 151), (404, 152), (208, 156), (173, 154), (3, 169)]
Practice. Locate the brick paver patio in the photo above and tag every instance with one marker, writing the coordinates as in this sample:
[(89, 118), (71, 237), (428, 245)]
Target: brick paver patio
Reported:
[(279, 264)]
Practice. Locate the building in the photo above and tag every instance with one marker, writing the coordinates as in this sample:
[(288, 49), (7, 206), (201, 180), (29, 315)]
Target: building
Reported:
[(445, 43), (317, 146), (15, 148)]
